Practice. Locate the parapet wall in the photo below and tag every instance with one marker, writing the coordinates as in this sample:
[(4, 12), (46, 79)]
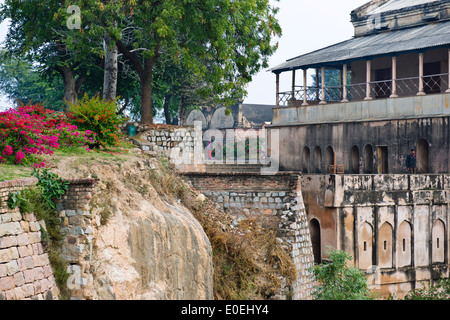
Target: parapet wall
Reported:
[(275, 202), (25, 271)]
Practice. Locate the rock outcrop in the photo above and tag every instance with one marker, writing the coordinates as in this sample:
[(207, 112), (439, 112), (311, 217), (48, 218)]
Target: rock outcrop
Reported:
[(148, 246)]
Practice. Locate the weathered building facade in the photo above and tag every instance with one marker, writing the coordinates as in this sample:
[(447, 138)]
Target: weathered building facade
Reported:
[(372, 99), (391, 94)]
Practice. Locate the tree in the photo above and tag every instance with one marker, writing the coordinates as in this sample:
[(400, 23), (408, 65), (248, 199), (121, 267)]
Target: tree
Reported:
[(38, 31), (338, 281), (223, 42), (22, 83)]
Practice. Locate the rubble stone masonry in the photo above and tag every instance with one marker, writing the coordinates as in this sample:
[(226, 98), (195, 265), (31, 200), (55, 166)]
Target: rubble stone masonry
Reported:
[(275, 202), (25, 271)]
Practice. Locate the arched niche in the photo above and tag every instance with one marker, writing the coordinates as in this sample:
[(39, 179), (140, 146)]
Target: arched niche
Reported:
[(385, 248), (404, 240), (365, 246), (438, 242), (314, 229)]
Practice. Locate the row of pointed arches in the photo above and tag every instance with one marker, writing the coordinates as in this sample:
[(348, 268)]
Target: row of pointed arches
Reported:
[(360, 160), (389, 246)]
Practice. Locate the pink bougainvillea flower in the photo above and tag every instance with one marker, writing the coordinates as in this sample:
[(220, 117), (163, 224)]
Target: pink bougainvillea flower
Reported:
[(19, 156), (8, 150)]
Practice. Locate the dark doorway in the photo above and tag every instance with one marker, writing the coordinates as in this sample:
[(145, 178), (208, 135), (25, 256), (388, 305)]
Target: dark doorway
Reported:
[(368, 159), (329, 158), (355, 160), (383, 167), (314, 229), (306, 159), (318, 160), (422, 156)]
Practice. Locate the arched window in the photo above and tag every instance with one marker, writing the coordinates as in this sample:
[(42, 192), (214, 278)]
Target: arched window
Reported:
[(329, 157), (438, 242), (314, 229), (318, 160), (368, 159), (422, 155), (305, 160), (355, 160), (385, 240), (404, 239), (365, 246)]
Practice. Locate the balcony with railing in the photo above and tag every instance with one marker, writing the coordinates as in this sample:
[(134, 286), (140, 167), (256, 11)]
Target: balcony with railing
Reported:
[(385, 89)]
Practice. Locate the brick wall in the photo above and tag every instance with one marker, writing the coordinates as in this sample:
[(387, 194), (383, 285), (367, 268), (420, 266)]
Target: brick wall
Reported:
[(275, 202), (25, 271)]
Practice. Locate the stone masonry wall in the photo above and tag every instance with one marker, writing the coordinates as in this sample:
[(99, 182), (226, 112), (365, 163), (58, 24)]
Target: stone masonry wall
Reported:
[(25, 271), (275, 202), (164, 139), (78, 225)]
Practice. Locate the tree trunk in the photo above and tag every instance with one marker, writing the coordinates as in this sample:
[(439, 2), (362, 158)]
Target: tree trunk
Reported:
[(111, 70), (146, 92), (145, 73), (70, 92), (167, 99)]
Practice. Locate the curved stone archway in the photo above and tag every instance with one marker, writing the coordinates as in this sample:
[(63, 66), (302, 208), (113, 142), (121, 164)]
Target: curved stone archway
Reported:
[(220, 120), (197, 115)]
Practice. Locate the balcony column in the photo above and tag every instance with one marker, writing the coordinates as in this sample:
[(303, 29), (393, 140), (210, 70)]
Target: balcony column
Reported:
[(368, 79), (277, 102), (344, 83), (293, 86), (421, 91), (322, 98), (448, 62), (305, 87), (317, 85), (394, 78)]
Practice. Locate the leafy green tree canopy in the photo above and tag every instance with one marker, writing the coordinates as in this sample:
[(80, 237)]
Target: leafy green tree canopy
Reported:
[(338, 281), (223, 42)]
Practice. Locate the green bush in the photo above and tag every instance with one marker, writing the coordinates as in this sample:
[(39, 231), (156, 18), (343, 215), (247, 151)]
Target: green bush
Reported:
[(338, 281), (97, 115), (434, 291)]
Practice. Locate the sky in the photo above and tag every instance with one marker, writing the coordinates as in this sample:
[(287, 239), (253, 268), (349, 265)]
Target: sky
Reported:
[(307, 25)]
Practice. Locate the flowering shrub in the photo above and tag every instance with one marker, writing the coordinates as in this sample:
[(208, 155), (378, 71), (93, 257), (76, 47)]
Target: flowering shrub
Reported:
[(32, 130), (99, 116)]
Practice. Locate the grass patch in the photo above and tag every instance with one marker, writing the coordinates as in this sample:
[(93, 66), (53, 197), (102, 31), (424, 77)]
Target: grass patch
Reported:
[(12, 172)]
